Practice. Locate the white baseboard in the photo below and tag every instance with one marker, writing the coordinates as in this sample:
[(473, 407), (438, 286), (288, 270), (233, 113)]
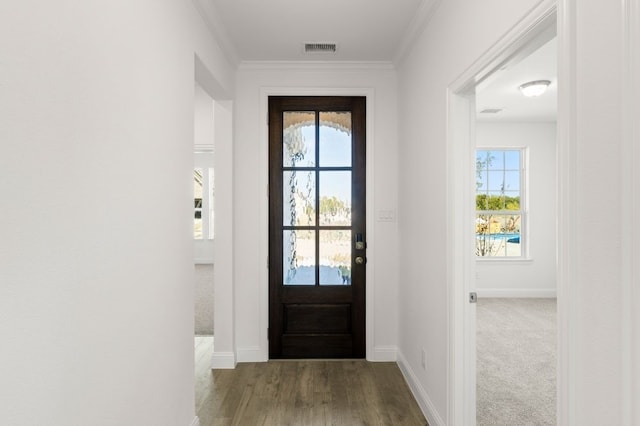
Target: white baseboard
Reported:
[(223, 361), (547, 293), (256, 354), (421, 396), (195, 422), (383, 354), (251, 354)]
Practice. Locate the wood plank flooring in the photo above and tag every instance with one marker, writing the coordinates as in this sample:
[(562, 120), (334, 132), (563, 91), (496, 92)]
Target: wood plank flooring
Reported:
[(309, 392)]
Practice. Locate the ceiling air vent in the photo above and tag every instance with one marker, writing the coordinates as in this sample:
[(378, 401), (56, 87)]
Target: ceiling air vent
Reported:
[(320, 48), (491, 111)]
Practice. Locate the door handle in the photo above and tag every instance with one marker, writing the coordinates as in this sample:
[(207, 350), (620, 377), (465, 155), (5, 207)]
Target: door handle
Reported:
[(360, 260)]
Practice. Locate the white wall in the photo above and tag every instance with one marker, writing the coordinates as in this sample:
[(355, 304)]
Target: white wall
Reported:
[(223, 279), (203, 124), (592, 373), (254, 83), (631, 175), (596, 288), (458, 33), (96, 252), (536, 276)]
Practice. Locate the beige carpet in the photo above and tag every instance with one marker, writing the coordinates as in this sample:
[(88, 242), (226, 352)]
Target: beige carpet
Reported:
[(516, 362), (203, 303)]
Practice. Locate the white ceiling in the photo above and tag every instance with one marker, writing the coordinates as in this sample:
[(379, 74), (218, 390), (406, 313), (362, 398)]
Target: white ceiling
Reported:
[(501, 90), (276, 30), (368, 31)]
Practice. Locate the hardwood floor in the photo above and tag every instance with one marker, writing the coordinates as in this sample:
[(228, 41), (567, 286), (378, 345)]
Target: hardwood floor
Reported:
[(314, 392)]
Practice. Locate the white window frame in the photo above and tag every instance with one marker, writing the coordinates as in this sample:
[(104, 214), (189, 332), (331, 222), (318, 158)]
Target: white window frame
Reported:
[(524, 205)]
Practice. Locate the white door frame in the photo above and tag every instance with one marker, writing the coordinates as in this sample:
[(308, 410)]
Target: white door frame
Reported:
[(372, 354), (461, 209), (223, 309)]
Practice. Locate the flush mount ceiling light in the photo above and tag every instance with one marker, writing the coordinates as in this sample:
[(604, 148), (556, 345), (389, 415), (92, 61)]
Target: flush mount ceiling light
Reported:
[(534, 88)]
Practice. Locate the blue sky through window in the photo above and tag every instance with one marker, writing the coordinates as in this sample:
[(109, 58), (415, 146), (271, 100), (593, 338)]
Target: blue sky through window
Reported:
[(498, 172), (335, 151)]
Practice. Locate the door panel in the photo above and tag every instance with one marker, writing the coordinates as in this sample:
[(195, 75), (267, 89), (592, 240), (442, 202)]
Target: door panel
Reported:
[(317, 318), (316, 213)]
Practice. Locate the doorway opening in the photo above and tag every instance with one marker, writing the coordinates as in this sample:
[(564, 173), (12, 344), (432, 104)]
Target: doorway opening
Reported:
[(465, 273), (516, 214), (213, 217), (203, 212)]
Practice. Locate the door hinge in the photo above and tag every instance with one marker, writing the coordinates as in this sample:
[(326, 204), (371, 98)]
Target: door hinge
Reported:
[(267, 262), (267, 334), (473, 297)]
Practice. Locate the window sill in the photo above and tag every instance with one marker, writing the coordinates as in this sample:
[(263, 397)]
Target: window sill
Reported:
[(512, 261)]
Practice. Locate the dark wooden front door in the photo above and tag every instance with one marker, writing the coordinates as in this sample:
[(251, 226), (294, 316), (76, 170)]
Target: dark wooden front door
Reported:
[(317, 227)]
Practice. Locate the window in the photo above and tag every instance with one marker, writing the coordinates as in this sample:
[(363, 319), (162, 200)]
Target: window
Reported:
[(500, 201), (203, 203)]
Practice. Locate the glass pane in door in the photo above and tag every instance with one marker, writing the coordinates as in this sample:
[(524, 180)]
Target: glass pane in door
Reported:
[(299, 198), (335, 198), (299, 139), (335, 139), (335, 257), (299, 257)]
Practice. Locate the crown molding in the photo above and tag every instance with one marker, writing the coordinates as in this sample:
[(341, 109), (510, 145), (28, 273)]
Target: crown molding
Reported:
[(423, 15), (210, 16), (317, 65)]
